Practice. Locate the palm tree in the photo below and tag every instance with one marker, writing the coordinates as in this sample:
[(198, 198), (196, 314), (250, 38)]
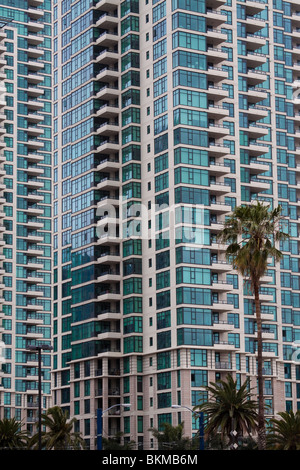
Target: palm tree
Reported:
[(58, 434), (114, 443), (171, 437), (252, 232), (285, 432), (230, 409), (11, 435)]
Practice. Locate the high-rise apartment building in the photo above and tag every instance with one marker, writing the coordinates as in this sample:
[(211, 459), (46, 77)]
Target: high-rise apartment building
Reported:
[(167, 115), (26, 183)]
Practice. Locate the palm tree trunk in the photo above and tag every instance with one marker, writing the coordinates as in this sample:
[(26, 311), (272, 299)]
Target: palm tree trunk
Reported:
[(261, 412)]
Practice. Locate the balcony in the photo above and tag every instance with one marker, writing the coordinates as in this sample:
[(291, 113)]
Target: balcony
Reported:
[(218, 187), (253, 25), (108, 111), (254, 41), (34, 26), (224, 345), (108, 182), (108, 93), (216, 93), (217, 130), (256, 185), (217, 111), (107, 56), (217, 150), (254, 6), (220, 265), (256, 112), (107, 5), (109, 257), (221, 305), (108, 74), (216, 55), (34, 12), (255, 77), (108, 146), (256, 131), (256, 167), (215, 17), (109, 314), (216, 74), (221, 286), (109, 163), (257, 148), (218, 169), (215, 36), (223, 326), (107, 39), (108, 129), (34, 39)]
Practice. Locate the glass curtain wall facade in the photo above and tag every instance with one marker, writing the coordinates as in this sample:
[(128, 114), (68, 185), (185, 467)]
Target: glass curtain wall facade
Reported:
[(27, 206), (168, 114)]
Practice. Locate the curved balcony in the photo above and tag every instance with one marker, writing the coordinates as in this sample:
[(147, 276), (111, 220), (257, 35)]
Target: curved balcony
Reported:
[(217, 150), (256, 149), (221, 305), (218, 169), (215, 36), (256, 167), (108, 129), (254, 6), (253, 25), (256, 112), (35, 52), (108, 74), (217, 130), (215, 17), (221, 286), (224, 345), (108, 93), (107, 5), (107, 56), (220, 265), (34, 65), (109, 163), (107, 39), (33, 38), (255, 130), (108, 111), (108, 182), (219, 188), (216, 55), (255, 77), (109, 257), (216, 93), (254, 41), (216, 74), (217, 111), (221, 325), (35, 26), (257, 186)]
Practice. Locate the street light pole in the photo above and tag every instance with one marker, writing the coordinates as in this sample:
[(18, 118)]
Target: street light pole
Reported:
[(201, 423), (38, 350), (100, 413)]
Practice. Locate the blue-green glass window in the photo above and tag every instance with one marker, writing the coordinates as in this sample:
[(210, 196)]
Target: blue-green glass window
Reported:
[(191, 176), (189, 22), (198, 6), (189, 60), (194, 336), (191, 98), (188, 41)]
